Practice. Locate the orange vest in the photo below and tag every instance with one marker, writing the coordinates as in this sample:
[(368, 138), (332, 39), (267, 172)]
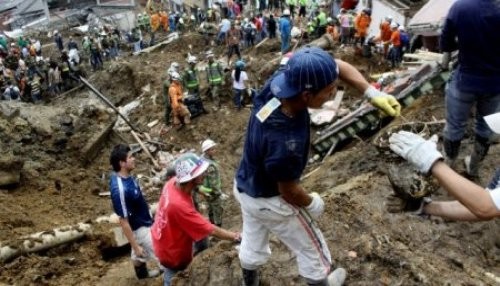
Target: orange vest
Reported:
[(385, 31), (396, 38), (362, 23)]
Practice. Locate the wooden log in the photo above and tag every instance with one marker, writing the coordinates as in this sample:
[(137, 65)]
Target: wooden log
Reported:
[(42, 241), (145, 149), (94, 144), (172, 37)]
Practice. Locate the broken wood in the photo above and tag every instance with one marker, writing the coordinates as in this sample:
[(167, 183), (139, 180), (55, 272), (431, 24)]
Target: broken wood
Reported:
[(262, 42), (145, 149), (170, 38), (42, 241)]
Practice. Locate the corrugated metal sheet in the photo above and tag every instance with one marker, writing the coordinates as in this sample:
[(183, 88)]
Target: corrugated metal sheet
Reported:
[(429, 20)]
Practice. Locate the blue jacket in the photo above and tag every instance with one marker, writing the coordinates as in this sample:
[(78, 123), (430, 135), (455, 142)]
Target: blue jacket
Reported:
[(285, 26)]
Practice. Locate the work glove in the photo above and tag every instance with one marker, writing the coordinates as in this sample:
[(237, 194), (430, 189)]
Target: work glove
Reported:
[(445, 61), (419, 152), (317, 205), (387, 103), (396, 204)]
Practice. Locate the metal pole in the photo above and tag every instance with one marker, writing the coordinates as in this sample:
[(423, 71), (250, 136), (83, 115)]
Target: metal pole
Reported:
[(109, 103)]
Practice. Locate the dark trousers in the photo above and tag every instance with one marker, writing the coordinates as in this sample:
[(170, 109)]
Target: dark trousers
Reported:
[(233, 49)]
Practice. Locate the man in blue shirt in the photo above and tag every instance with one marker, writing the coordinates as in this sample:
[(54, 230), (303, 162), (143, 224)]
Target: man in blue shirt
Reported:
[(285, 28), (132, 209), (471, 27), (267, 183)]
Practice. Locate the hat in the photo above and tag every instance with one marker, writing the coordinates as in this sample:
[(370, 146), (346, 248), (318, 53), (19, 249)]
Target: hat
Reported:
[(401, 28), (394, 25), (239, 64), (207, 144), (191, 59), (175, 76), (310, 68), (189, 166), (493, 121), (286, 12)]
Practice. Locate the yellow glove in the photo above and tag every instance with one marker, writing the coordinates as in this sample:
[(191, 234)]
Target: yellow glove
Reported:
[(387, 103)]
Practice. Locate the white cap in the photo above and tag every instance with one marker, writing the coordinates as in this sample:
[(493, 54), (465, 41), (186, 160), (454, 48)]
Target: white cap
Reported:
[(286, 12), (493, 121), (388, 18), (207, 144), (191, 59), (401, 28), (394, 25), (175, 65), (189, 166)]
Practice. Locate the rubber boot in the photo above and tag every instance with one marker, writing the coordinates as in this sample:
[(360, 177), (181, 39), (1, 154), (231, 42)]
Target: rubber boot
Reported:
[(142, 272), (337, 277), (473, 161), (250, 277), (451, 149)]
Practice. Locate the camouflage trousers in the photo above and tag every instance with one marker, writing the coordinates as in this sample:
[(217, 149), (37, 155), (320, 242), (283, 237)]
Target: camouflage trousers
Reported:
[(215, 211)]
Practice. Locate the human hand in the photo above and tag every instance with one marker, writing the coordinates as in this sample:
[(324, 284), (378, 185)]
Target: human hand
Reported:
[(445, 61), (395, 204), (419, 152), (237, 237), (383, 101), (139, 251), (317, 205)]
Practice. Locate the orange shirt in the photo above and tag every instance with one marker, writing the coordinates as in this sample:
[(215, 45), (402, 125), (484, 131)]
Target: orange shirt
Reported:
[(385, 31), (396, 38), (175, 94), (332, 30)]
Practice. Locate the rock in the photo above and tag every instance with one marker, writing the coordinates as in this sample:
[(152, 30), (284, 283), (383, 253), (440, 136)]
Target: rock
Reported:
[(10, 169), (8, 112)]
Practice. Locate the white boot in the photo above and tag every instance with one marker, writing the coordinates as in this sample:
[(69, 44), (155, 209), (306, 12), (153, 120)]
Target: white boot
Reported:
[(337, 277)]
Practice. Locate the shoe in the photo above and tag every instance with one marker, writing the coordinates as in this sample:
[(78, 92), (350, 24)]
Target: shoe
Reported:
[(337, 277), (154, 273)]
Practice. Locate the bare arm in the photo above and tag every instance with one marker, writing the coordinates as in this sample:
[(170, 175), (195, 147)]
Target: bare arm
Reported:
[(352, 76), (127, 231), (453, 210), (293, 193), (225, 234), (475, 198)]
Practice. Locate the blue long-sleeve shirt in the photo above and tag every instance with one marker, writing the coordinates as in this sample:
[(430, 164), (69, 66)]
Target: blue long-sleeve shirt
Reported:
[(472, 27)]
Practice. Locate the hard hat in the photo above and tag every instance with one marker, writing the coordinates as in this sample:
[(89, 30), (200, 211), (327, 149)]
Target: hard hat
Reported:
[(246, 20), (175, 65), (493, 121), (388, 18), (207, 144), (310, 23), (240, 64), (176, 76), (55, 31), (189, 166), (394, 25), (286, 12), (329, 19), (210, 54), (401, 28), (191, 59)]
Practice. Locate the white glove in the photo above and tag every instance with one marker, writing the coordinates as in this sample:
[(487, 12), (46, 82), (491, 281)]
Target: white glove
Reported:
[(317, 206), (418, 151)]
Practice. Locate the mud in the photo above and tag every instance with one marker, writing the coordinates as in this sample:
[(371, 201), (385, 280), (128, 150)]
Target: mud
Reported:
[(376, 247)]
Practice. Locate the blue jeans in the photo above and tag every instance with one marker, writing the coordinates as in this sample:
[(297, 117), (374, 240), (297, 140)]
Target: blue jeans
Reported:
[(237, 97), (285, 42), (168, 274), (221, 37), (458, 106)]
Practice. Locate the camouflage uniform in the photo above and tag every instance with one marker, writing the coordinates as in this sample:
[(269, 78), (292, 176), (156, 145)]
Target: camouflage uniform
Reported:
[(212, 188)]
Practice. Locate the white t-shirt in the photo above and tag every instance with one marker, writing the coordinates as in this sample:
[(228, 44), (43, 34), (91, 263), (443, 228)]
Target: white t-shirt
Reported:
[(241, 83), (495, 195), (494, 188)]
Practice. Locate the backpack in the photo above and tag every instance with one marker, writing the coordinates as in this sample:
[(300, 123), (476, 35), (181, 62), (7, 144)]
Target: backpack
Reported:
[(249, 30)]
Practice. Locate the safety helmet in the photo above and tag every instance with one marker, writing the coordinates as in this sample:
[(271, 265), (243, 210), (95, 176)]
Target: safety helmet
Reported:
[(189, 166), (56, 31), (401, 28), (191, 59), (210, 54), (394, 25), (286, 12), (388, 18), (176, 76), (207, 144), (310, 23), (240, 64), (329, 19), (174, 65)]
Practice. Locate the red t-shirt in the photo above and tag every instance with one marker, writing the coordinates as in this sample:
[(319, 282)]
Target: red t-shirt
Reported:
[(177, 225)]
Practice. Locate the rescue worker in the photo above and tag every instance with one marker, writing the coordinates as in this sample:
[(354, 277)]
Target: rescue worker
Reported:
[(190, 77), (405, 41), (174, 68), (386, 33), (233, 40), (180, 113), (344, 27), (177, 223), (471, 27), (321, 23), (395, 44), (214, 78), (285, 28), (332, 29), (362, 23), (211, 185), (267, 183)]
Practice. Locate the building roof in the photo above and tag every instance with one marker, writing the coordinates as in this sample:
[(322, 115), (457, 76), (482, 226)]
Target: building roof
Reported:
[(8, 4), (29, 6), (429, 20)]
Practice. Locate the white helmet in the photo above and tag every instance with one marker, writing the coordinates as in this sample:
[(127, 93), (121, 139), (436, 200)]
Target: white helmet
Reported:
[(401, 28), (394, 25), (175, 76), (246, 20), (174, 65), (286, 12), (388, 18), (189, 166), (191, 59), (207, 144)]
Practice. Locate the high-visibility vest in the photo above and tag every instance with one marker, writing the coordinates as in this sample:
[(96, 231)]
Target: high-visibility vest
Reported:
[(291, 2), (191, 79), (322, 19), (213, 73), (303, 3)]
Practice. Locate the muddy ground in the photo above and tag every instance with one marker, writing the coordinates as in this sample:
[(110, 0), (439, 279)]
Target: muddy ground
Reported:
[(376, 247)]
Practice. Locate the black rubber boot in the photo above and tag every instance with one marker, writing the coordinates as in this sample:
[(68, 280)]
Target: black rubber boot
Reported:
[(451, 149), (141, 271), (250, 277), (473, 162)]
